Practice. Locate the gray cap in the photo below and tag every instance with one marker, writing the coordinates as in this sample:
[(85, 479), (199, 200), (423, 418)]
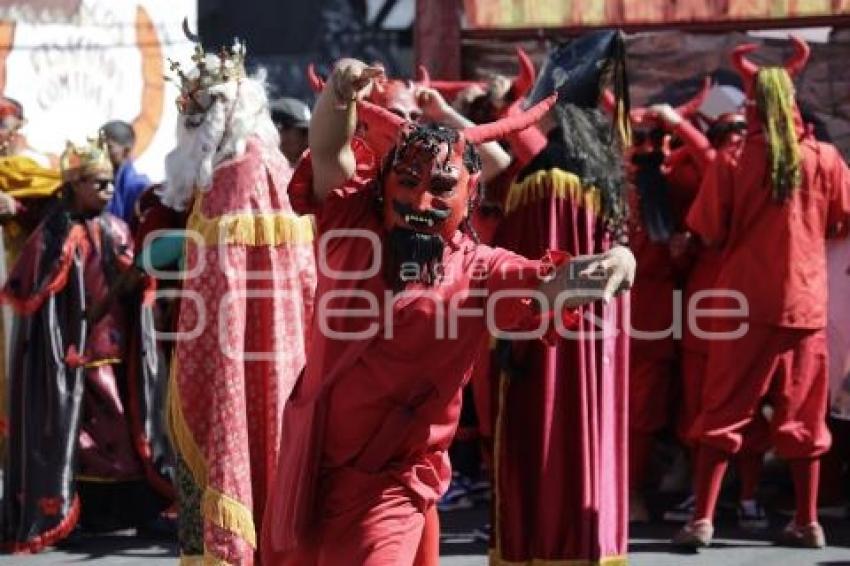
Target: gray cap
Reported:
[(290, 112)]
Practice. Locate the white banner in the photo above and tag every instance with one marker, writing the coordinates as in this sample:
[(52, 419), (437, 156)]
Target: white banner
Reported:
[(76, 64)]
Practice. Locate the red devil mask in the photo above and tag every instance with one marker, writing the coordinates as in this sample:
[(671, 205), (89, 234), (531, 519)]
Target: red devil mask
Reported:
[(427, 186), (430, 175), (397, 96)]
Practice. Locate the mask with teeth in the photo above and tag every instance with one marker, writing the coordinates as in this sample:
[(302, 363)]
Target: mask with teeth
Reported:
[(427, 189), (429, 177), (427, 186)]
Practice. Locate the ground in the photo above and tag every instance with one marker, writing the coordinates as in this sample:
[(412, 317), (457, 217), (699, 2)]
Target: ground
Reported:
[(648, 547)]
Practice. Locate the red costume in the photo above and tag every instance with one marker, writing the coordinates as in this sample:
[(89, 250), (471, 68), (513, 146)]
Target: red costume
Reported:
[(772, 228), (366, 433), (561, 430)]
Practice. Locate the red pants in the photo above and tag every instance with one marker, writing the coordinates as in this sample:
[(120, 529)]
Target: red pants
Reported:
[(784, 366), (693, 374), (650, 392), (387, 530)]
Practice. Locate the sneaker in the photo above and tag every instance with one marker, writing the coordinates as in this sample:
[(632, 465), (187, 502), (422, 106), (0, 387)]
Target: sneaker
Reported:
[(480, 491), (694, 535), (808, 536), (457, 497), (682, 512), (751, 516), (482, 533)]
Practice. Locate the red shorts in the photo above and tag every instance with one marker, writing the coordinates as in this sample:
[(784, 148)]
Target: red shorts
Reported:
[(785, 367)]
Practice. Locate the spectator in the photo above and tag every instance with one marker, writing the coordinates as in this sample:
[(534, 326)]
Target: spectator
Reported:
[(292, 118), (129, 183)]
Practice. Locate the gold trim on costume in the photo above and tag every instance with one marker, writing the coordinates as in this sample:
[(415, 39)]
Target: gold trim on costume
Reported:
[(268, 229), (98, 479), (104, 362), (229, 514), (181, 436), (216, 507), (556, 182)]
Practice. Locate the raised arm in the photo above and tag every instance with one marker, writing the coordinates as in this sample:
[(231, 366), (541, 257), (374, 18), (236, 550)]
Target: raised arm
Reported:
[(697, 144), (334, 122)]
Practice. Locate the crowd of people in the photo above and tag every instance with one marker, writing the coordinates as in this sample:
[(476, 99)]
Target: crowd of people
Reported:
[(275, 350)]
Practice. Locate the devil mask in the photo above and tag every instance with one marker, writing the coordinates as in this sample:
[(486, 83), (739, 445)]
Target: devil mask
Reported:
[(429, 178), (428, 186), (430, 181)]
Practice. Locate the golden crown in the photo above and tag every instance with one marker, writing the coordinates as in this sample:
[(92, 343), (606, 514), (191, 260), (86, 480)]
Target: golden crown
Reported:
[(230, 66), (83, 160)]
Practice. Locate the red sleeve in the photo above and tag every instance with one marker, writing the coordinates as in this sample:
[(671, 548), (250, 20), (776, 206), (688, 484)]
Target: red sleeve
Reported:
[(839, 192), (697, 144), (300, 189), (710, 212), (509, 272)]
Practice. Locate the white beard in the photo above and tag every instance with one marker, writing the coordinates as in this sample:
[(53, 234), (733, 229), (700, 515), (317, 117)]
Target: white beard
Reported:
[(190, 164)]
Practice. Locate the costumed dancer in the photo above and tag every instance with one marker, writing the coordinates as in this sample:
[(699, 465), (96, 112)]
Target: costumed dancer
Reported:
[(787, 194), (84, 436), (661, 188), (366, 434), (561, 431), (27, 184), (245, 308), (723, 140)]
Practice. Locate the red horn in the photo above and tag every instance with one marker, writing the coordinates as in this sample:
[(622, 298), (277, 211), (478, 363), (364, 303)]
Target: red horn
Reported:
[(746, 68), (795, 64), (382, 126), (423, 76), (500, 128), (316, 83), (692, 106), (525, 78)]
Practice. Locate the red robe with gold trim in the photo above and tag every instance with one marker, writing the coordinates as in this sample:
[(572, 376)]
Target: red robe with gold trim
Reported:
[(245, 312), (561, 431)]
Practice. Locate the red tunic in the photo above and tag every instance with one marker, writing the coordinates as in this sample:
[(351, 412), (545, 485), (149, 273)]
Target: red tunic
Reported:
[(774, 256)]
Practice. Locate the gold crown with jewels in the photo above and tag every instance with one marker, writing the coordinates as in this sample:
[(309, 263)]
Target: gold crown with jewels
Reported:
[(230, 67), (85, 160)]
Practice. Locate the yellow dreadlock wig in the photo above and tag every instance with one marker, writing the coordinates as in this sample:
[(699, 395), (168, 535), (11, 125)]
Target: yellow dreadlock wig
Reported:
[(775, 101)]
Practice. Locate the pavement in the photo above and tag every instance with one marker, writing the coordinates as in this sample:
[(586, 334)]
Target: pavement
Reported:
[(648, 546)]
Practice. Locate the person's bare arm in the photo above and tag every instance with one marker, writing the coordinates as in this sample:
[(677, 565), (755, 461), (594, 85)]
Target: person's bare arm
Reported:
[(585, 279), (494, 159), (333, 124)]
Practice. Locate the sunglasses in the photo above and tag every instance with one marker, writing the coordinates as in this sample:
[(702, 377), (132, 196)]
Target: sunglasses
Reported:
[(101, 184)]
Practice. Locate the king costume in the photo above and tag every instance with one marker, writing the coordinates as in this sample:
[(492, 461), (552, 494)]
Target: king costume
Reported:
[(246, 306)]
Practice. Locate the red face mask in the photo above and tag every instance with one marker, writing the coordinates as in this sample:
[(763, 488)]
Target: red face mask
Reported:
[(399, 97), (426, 190)]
